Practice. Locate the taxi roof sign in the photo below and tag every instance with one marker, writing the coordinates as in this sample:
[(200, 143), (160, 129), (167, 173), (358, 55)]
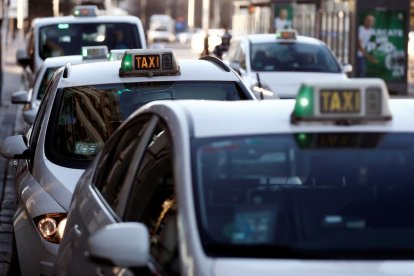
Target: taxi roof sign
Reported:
[(85, 11), (116, 54), (148, 63), (287, 34), (95, 52), (347, 101)]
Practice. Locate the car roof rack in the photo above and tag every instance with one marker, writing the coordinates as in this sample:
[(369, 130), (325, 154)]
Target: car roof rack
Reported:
[(217, 62)]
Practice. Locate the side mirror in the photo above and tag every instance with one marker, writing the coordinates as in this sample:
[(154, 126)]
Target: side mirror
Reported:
[(347, 68), (29, 116), (22, 58), (121, 244), (20, 97), (14, 147)]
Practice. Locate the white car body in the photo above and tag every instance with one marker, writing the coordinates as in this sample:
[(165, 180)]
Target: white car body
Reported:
[(187, 121), (54, 62), (34, 37), (282, 84), (28, 112), (46, 187), (161, 28)]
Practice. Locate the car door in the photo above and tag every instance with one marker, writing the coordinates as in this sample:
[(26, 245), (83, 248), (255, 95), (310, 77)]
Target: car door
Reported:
[(96, 198), (148, 196), (152, 201), (32, 137)]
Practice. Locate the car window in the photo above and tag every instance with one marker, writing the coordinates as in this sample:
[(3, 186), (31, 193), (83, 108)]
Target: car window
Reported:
[(293, 57), (152, 199), (45, 81), (307, 194), (65, 39), (30, 48), (37, 125), (88, 115), (114, 162)]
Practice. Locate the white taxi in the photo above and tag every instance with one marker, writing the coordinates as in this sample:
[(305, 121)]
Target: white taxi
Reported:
[(65, 35), (274, 65), (32, 98), (322, 186), (83, 105)]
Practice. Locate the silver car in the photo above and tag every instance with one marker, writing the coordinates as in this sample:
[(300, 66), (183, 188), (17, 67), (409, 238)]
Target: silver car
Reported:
[(82, 107)]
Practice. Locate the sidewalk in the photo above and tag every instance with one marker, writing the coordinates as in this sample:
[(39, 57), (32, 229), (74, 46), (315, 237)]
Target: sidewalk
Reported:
[(11, 82)]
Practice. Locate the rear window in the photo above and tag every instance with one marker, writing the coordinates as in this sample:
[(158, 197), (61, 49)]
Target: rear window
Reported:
[(67, 39), (85, 116), (301, 57), (306, 195)]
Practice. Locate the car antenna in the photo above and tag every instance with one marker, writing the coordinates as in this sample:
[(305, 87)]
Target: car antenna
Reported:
[(259, 83)]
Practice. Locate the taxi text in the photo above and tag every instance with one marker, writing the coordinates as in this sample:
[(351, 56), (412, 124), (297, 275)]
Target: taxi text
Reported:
[(340, 101)]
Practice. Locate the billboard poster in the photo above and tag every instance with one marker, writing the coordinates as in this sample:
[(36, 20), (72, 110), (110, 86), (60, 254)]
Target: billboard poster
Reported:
[(381, 45), (283, 16)]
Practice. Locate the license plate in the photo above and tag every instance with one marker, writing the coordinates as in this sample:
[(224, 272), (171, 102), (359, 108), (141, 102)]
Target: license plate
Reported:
[(340, 101), (147, 62)]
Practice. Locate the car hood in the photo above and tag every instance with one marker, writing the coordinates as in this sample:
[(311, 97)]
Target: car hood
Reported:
[(230, 267), (60, 182), (286, 84)]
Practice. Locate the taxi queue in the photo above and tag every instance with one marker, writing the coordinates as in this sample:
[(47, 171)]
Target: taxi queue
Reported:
[(145, 164)]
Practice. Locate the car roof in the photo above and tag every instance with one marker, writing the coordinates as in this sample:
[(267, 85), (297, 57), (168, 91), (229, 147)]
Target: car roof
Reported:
[(106, 72), (270, 117), (38, 22), (63, 60), (271, 38)]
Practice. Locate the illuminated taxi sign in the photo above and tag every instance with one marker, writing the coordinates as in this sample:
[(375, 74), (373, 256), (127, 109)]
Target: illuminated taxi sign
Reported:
[(157, 62), (86, 10), (95, 52), (342, 101), (286, 34), (116, 54)]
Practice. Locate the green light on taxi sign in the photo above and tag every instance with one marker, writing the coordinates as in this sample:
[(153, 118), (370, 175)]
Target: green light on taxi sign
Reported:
[(126, 65), (304, 102)]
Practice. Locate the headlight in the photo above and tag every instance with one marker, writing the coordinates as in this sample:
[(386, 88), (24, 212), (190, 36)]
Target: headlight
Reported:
[(51, 226), (264, 90)]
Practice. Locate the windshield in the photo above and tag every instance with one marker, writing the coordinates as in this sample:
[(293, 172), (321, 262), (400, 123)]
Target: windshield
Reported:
[(301, 57), (331, 195), (45, 81), (67, 39), (88, 115)]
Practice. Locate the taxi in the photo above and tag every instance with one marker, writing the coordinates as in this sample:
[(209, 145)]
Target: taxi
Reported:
[(322, 186), (32, 98), (116, 54), (274, 65), (82, 106), (65, 35)]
